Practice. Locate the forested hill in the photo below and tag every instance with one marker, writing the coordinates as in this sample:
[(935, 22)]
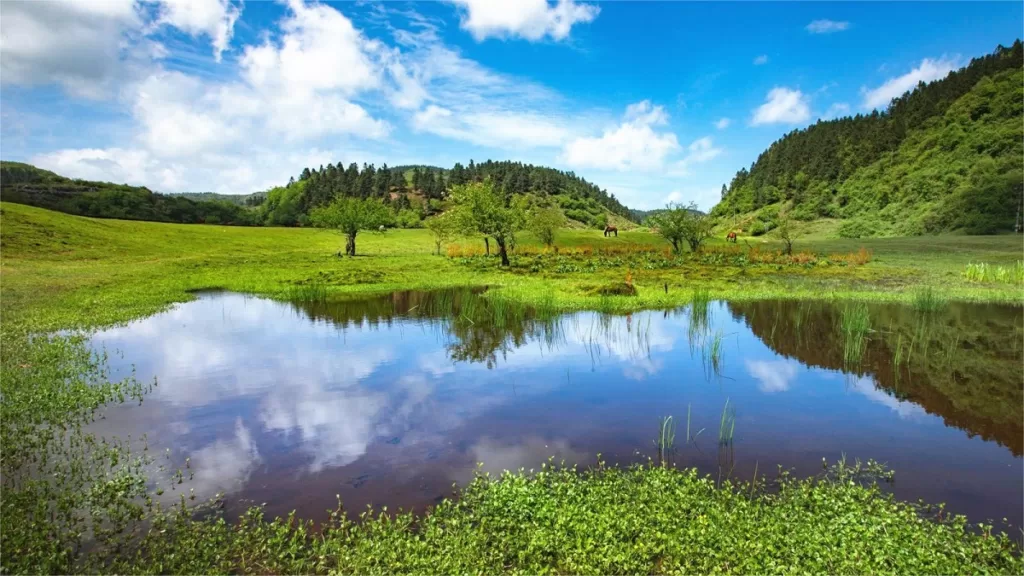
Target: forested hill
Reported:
[(431, 181), (946, 156), (26, 184), (415, 186)]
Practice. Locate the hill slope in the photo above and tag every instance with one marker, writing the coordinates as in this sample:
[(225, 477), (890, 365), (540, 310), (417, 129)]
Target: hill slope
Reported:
[(26, 184), (945, 157)]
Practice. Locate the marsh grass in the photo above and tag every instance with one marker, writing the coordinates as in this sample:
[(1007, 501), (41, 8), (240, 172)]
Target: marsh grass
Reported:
[(307, 292), (928, 300), (666, 440), (712, 355), (727, 425), (854, 325)]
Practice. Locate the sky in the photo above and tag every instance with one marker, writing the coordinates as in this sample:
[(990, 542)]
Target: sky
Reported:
[(655, 102)]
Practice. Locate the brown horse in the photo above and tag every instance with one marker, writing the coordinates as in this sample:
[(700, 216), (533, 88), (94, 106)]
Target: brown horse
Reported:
[(609, 229), (731, 236)]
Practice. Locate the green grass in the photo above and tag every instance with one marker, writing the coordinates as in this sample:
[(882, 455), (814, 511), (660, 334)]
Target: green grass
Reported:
[(927, 299), (62, 271), (72, 502), (854, 325)]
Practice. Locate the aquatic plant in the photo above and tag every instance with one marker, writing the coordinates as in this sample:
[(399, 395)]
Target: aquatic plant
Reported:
[(666, 439), (928, 300), (712, 358), (982, 272), (854, 325), (727, 425), (307, 292)]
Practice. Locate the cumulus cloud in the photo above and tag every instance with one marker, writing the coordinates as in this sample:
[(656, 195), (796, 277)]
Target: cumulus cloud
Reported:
[(783, 106), (195, 133), (723, 123), (827, 26), (529, 19), (213, 18), (928, 71), (78, 45), (760, 60), (633, 144), (91, 49)]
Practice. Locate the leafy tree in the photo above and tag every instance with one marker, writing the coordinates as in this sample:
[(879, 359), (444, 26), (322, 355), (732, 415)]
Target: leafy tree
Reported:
[(444, 227), (544, 222), (349, 216), (480, 208), (678, 224)]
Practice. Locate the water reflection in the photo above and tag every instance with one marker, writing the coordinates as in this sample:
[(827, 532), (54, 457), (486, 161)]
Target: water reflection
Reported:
[(387, 401)]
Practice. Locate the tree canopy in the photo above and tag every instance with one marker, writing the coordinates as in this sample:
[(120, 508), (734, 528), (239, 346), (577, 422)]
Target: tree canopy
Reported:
[(350, 215), (679, 224), (480, 208)]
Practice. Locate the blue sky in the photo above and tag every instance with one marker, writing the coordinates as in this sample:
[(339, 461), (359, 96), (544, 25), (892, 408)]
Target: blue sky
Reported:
[(656, 102)]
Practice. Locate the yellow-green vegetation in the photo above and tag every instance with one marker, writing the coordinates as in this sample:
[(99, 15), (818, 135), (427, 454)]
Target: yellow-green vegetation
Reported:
[(72, 502)]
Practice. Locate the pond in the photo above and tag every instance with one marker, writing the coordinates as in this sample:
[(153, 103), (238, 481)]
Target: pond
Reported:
[(391, 401)]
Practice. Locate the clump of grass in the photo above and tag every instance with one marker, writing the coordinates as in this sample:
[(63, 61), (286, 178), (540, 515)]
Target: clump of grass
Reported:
[(982, 272), (307, 292), (727, 425), (713, 354), (666, 439), (854, 325), (928, 300)]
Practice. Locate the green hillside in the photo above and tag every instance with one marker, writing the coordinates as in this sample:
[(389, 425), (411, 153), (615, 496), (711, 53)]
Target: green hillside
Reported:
[(946, 157), (26, 184)]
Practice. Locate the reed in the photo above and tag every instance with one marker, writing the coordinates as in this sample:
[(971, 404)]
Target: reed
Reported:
[(666, 439), (854, 325), (727, 425), (928, 300)]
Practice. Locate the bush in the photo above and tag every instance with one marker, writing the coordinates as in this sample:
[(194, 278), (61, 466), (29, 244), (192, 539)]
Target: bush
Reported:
[(408, 218)]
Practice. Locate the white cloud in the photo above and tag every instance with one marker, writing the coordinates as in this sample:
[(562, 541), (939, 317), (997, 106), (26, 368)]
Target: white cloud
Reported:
[(528, 19), (760, 60), (214, 18), (723, 123), (92, 49), (506, 129), (928, 70), (633, 144), (836, 110), (698, 152), (773, 376), (827, 26), (783, 106), (77, 45)]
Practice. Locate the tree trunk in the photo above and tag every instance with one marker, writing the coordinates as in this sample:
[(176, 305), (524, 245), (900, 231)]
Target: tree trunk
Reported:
[(675, 246), (350, 244), (502, 252), (438, 244), (487, 243)]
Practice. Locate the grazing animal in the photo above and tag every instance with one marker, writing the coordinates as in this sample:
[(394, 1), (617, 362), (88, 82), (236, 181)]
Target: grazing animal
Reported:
[(731, 237), (609, 229)]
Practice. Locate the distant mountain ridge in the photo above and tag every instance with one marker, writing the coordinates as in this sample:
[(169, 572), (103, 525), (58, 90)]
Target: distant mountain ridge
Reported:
[(946, 156)]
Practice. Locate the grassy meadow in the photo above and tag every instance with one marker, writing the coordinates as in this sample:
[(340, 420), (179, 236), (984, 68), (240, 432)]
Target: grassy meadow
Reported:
[(75, 503), (62, 271)]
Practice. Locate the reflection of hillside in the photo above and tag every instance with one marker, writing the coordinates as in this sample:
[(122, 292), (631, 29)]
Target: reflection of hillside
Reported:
[(965, 365), (477, 329)]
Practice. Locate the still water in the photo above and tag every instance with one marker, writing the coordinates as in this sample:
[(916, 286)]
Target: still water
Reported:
[(393, 400)]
